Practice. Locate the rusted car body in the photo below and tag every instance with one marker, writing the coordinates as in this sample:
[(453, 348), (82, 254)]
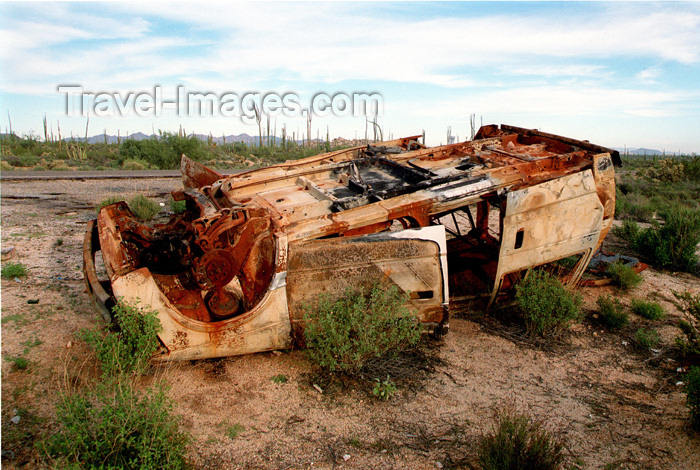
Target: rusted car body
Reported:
[(447, 225)]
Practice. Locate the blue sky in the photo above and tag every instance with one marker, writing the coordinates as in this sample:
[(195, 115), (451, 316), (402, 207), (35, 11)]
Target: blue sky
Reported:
[(614, 73)]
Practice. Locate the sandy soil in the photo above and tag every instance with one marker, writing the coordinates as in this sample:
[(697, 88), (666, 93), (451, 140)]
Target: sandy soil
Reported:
[(616, 408)]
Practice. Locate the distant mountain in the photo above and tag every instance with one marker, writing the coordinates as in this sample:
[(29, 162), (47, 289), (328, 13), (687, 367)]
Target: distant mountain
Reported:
[(113, 139), (643, 151)]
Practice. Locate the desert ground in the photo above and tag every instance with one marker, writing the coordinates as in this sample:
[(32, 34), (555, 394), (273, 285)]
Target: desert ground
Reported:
[(617, 408)]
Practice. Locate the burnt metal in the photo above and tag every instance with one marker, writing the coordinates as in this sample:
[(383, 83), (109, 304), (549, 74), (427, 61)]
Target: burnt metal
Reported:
[(231, 275)]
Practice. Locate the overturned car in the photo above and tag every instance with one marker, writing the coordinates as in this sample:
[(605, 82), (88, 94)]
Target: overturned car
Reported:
[(451, 226)]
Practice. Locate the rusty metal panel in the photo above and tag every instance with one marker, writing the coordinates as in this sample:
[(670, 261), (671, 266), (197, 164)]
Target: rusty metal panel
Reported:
[(604, 172), (217, 273), (413, 260), (548, 222), (263, 328)]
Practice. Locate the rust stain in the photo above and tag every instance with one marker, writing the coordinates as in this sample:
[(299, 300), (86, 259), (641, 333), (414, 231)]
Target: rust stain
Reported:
[(449, 224)]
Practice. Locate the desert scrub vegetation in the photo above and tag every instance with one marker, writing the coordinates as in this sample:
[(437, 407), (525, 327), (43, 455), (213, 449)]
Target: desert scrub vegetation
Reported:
[(13, 270), (384, 389), (645, 339), (517, 443), (651, 184), (612, 312), (177, 207), (692, 390), (114, 424), (117, 427), (128, 346), (648, 310), (141, 206), (343, 333), (665, 193), (689, 344), (546, 305), (161, 151), (623, 276), (671, 245), (18, 363), (107, 202)]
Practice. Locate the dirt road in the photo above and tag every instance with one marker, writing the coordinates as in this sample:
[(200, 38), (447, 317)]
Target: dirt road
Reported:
[(617, 408)]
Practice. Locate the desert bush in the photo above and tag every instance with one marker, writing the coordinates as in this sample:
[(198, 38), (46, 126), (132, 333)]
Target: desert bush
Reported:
[(115, 427), (628, 231), (612, 312), (648, 310), (129, 347), (190, 146), (143, 208), (633, 205), (623, 276), (163, 152), (692, 389), (517, 443), (689, 303), (107, 202), (133, 164), (673, 244), (13, 270), (692, 168), (667, 170), (646, 339), (177, 207), (343, 333), (546, 305), (18, 363), (689, 346), (384, 389)]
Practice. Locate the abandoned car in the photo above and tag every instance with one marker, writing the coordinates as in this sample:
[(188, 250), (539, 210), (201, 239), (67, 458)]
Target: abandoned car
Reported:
[(449, 225)]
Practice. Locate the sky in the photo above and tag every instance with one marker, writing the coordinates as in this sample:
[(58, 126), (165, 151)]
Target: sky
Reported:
[(617, 74)]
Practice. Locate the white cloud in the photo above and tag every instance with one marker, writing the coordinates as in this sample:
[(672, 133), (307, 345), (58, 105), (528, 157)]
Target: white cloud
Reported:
[(649, 75), (324, 43), (533, 64)]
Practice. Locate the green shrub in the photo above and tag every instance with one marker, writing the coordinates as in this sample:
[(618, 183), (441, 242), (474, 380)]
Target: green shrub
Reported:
[(153, 151), (648, 310), (517, 443), (623, 276), (163, 152), (190, 146), (546, 304), (177, 207), (129, 348), (108, 202), (384, 389), (115, 427), (233, 430), (692, 169), (628, 231), (342, 333), (673, 244), (13, 270), (132, 164), (612, 312), (689, 303), (279, 379), (692, 389), (19, 363), (667, 170), (646, 339), (690, 345), (143, 208)]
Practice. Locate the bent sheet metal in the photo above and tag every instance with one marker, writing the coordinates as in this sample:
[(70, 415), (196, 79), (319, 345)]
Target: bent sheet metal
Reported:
[(450, 225)]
